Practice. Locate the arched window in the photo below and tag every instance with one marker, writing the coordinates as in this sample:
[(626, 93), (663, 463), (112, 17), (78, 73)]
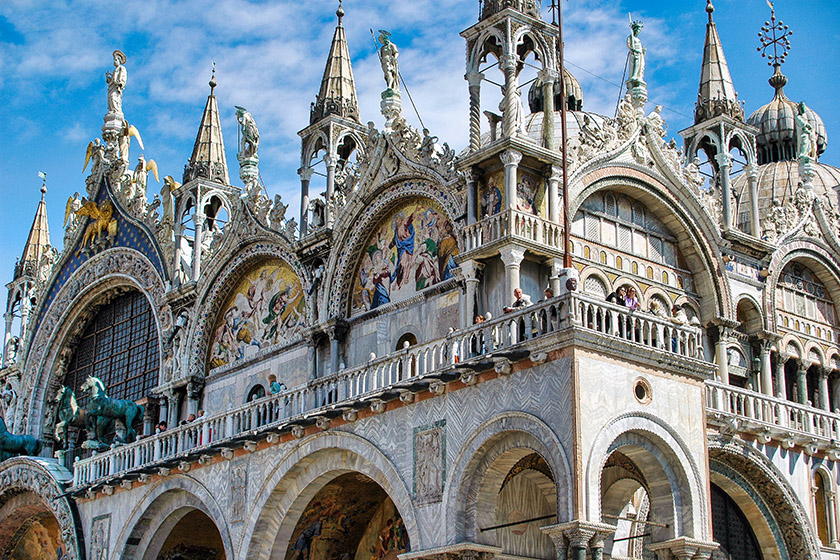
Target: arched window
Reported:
[(821, 507), (120, 346), (801, 293), (406, 340), (256, 392)]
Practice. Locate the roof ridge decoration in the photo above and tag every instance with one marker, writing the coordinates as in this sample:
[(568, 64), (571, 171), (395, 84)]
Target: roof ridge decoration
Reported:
[(208, 155), (717, 95), (337, 95)]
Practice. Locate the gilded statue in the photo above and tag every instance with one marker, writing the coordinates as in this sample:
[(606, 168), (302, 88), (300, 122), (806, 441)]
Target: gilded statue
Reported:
[(102, 220)]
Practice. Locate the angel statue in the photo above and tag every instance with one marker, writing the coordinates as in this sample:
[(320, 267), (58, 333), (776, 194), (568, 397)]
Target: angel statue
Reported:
[(250, 140), (141, 175), (126, 132), (94, 152), (167, 199), (388, 55), (637, 54), (116, 81), (73, 205)]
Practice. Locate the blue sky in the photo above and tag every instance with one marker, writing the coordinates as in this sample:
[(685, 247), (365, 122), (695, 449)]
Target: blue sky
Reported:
[(270, 56)]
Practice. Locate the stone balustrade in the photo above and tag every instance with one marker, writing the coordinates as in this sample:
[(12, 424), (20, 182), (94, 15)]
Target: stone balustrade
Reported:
[(362, 385), (735, 409), (515, 224)]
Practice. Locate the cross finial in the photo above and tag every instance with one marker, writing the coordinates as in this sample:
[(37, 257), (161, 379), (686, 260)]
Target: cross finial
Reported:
[(774, 33), (43, 175)]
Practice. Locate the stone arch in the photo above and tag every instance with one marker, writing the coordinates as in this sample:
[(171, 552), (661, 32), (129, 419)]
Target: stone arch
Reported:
[(595, 273), (692, 227), (771, 486), (358, 226), (823, 473), (31, 487), (159, 510), (219, 283), (676, 488), (749, 309), (631, 282), (489, 443), (479, 50), (103, 273), (319, 141), (540, 48), (305, 469), (819, 261)]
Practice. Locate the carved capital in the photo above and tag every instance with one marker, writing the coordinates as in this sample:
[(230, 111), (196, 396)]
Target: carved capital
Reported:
[(508, 62), (512, 255), (510, 157), (547, 75), (474, 78), (305, 173), (470, 269), (723, 160), (555, 174)]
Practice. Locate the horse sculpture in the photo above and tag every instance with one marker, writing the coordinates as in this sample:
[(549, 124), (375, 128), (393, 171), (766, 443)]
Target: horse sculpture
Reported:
[(12, 445), (69, 414), (103, 411)]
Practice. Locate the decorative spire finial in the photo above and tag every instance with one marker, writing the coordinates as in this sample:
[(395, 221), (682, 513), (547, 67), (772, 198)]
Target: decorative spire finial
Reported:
[(43, 175), (774, 34), (339, 12), (213, 79), (710, 8)]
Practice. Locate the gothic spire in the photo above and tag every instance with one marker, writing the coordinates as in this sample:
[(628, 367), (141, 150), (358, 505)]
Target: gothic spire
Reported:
[(717, 94), (39, 236), (208, 156), (337, 95)]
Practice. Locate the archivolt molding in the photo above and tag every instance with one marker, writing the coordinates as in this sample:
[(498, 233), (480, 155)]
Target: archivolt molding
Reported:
[(318, 459), (654, 435), (217, 284), (38, 476), (366, 217), (777, 492), (622, 175), (800, 249), (493, 438), (158, 503), (104, 272)]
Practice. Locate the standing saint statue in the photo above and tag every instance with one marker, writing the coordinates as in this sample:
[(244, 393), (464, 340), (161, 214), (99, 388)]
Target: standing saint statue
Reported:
[(116, 81), (388, 54), (637, 54), (806, 138), (250, 140)]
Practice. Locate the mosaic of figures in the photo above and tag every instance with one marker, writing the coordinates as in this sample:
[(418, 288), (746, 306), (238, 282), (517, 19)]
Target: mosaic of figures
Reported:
[(40, 540), (413, 248), (267, 307), (351, 518), (529, 197)]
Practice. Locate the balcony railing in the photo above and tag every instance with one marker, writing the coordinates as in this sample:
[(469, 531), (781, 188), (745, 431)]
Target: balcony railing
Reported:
[(512, 223), (787, 421), (399, 370)]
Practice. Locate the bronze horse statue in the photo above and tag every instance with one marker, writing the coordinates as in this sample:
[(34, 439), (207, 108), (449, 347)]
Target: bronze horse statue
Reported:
[(69, 414), (12, 445), (103, 411)]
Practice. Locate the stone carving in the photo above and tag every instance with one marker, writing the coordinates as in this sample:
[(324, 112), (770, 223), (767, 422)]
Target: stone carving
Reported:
[(388, 54), (8, 399), (101, 537), (73, 206), (429, 460), (278, 213), (137, 186), (637, 55), (249, 142), (238, 490), (514, 103), (116, 81), (806, 137)]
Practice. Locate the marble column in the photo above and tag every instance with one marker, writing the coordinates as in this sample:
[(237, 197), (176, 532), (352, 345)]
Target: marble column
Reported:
[(512, 257), (198, 220), (721, 356), (508, 65), (511, 159), (474, 79), (831, 504), (330, 160), (825, 402), (163, 409), (755, 218), (176, 264), (547, 76), (305, 176), (781, 384), (10, 317), (724, 162), (335, 349), (802, 383), (470, 270), (554, 194), (471, 176), (766, 369), (556, 276)]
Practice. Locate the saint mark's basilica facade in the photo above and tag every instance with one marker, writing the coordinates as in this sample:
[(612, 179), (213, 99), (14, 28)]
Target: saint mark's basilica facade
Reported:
[(201, 374)]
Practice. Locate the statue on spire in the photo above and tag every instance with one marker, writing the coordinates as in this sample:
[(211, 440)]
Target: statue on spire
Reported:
[(637, 54), (116, 81), (388, 54)]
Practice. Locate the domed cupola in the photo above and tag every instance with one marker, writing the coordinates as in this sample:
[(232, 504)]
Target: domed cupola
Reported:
[(776, 124), (574, 94)]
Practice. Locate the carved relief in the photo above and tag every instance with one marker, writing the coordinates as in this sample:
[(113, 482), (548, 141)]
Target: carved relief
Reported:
[(429, 463), (238, 490), (100, 537)]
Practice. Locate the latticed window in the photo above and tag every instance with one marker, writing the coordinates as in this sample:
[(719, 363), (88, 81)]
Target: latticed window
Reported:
[(120, 347)]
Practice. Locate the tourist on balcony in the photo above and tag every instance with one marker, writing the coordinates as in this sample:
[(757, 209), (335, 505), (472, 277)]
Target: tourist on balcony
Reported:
[(618, 296), (549, 293), (631, 301), (275, 386), (161, 427), (520, 301), (477, 343)]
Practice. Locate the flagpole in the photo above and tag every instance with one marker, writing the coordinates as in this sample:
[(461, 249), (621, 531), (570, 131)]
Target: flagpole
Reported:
[(567, 254)]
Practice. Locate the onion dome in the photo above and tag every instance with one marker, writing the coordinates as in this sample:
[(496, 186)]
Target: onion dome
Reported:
[(574, 94), (776, 124), (779, 180)]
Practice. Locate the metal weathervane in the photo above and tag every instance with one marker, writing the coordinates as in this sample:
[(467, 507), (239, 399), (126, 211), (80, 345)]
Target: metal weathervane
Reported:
[(775, 34)]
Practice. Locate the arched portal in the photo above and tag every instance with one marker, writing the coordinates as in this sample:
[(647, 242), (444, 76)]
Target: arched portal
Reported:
[(349, 517), (625, 502), (731, 530), (187, 534)]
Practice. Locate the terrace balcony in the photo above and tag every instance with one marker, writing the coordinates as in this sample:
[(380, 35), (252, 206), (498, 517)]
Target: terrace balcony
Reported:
[(460, 356), (484, 237)]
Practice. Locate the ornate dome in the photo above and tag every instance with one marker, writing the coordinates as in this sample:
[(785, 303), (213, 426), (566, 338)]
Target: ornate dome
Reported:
[(779, 179), (574, 94), (574, 122), (776, 138)]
